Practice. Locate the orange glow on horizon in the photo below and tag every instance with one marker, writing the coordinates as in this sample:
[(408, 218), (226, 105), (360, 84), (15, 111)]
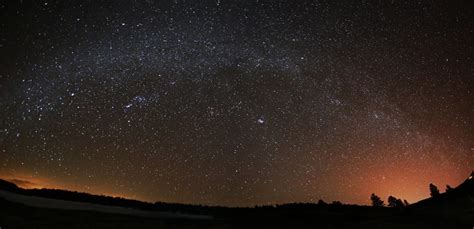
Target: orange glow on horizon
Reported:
[(30, 182), (408, 182)]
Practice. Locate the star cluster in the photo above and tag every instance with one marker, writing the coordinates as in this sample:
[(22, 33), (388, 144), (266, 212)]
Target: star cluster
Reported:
[(237, 102)]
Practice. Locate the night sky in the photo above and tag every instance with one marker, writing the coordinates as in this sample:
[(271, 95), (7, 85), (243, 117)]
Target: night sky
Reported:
[(237, 103)]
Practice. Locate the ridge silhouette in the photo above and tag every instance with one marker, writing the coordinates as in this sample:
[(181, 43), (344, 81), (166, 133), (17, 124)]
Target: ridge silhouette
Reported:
[(451, 209)]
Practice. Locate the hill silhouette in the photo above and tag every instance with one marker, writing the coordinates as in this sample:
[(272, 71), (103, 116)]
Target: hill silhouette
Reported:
[(456, 203), (452, 209)]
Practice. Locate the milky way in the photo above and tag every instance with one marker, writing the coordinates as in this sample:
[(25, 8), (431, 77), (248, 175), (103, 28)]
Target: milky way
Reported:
[(237, 103)]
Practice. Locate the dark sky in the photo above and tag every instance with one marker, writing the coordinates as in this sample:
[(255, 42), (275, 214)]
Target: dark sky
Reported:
[(237, 102)]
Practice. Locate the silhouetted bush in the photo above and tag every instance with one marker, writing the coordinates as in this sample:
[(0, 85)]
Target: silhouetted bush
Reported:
[(406, 202), (448, 188), (336, 203), (434, 191), (321, 202), (376, 201), (394, 202)]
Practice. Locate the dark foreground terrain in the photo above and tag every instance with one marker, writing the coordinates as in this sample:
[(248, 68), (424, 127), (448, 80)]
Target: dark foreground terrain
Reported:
[(21, 208)]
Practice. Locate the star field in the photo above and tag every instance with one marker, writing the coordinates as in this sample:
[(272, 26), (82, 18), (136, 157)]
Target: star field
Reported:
[(237, 103)]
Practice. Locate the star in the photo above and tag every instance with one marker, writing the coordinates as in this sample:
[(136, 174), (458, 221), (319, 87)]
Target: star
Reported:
[(187, 102)]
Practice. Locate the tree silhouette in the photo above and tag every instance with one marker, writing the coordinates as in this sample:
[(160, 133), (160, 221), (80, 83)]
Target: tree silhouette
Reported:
[(405, 202), (336, 202), (376, 201), (394, 202), (434, 191), (321, 202), (448, 188)]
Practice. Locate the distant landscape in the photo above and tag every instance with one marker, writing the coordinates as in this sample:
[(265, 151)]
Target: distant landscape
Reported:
[(236, 114), (51, 208)]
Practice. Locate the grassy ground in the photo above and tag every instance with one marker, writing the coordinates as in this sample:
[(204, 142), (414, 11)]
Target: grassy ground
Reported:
[(14, 215)]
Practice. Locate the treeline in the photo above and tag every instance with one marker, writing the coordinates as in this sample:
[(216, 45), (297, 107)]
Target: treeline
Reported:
[(218, 211), (398, 203), (104, 200)]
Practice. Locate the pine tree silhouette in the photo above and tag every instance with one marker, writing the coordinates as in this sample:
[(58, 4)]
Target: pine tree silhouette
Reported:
[(434, 191), (376, 201), (394, 202)]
